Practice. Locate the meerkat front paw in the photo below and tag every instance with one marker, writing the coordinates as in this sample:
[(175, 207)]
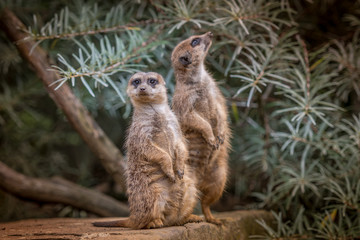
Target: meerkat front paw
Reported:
[(220, 139), (156, 223), (172, 177), (168, 169), (213, 143)]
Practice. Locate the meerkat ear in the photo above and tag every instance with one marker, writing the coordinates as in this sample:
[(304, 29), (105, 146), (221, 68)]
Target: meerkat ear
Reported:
[(185, 59)]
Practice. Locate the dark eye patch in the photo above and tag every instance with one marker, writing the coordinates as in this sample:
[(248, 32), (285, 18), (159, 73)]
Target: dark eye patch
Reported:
[(152, 82), (136, 82), (195, 42), (185, 60)]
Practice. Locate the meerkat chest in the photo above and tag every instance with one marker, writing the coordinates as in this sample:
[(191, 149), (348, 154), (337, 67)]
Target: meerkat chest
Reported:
[(166, 126), (204, 99)]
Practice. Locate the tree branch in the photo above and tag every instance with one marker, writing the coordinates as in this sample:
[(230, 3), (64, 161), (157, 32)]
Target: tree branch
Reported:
[(73, 109), (128, 26), (59, 191)]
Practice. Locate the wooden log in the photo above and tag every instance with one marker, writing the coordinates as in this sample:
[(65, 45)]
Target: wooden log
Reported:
[(59, 191)]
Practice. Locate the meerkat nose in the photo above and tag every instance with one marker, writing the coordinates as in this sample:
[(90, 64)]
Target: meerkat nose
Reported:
[(142, 89), (210, 34)]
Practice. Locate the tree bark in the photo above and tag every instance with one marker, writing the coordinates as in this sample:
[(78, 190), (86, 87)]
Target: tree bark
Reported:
[(76, 113), (59, 191)]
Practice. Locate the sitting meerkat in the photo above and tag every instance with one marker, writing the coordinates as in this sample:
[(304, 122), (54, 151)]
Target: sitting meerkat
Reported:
[(201, 110), (160, 192)]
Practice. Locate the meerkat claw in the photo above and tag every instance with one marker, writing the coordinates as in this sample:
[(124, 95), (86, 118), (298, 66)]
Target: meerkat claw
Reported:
[(220, 140), (215, 146), (180, 173)]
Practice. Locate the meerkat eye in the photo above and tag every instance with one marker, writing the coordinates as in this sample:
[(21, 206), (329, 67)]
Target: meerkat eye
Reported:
[(152, 81), (136, 82), (195, 42)]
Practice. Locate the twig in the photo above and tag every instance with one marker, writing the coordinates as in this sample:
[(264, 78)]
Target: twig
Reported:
[(265, 119), (134, 53), (129, 26), (307, 65), (235, 39), (261, 74)]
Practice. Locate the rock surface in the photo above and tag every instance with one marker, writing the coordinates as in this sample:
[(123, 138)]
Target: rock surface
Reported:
[(236, 225)]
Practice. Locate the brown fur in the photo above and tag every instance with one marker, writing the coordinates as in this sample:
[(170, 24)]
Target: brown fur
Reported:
[(159, 189), (201, 110)]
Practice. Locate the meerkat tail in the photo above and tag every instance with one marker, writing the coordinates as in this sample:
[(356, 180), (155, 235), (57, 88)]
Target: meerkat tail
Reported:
[(118, 223)]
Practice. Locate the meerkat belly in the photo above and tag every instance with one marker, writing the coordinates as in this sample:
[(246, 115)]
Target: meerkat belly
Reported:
[(181, 198), (165, 135), (190, 195), (148, 191), (172, 198), (207, 108), (199, 150)]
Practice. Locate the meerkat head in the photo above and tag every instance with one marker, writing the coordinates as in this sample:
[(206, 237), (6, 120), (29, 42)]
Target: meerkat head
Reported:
[(147, 88), (190, 53)]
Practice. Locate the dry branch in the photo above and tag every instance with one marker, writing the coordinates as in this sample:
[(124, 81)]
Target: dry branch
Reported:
[(59, 191), (73, 109)]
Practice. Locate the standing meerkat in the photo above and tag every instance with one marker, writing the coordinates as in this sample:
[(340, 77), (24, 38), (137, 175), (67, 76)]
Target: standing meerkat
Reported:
[(201, 110), (160, 192)]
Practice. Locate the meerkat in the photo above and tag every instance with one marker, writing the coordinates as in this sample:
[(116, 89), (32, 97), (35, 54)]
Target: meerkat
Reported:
[(160, 192), (202, 113)]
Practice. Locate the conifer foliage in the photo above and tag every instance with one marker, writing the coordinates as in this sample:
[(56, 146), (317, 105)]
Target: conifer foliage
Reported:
[(294, 105)]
